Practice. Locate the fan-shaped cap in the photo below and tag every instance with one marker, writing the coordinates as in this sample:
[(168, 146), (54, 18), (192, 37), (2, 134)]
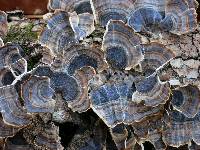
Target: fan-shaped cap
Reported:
[(180, 130), (80, 6), (151, 91), (37, 95), (12, 111), (49, 138), (82, 24), (156, 56), (3, 24), (58, 34), (180, 16), (145, 19), (186, 100), (80, 56), (112, 103), (74, 89), (70, 88), (107, 104), (120, 44), (67, 85), (176, 16), (105, 10), (147, 15), (82, 102)]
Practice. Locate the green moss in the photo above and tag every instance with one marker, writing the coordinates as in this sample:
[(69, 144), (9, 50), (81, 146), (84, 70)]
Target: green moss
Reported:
[(21, 35), (26, 38)]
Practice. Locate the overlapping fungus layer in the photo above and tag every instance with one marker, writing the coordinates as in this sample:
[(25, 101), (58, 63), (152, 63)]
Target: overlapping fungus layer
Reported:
[(134, 103)]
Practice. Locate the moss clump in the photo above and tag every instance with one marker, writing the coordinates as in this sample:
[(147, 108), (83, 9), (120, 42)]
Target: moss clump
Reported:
[(21, 35), (27, 39)]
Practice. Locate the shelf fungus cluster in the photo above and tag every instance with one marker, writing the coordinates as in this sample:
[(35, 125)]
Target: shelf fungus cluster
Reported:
[(117, 78)]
